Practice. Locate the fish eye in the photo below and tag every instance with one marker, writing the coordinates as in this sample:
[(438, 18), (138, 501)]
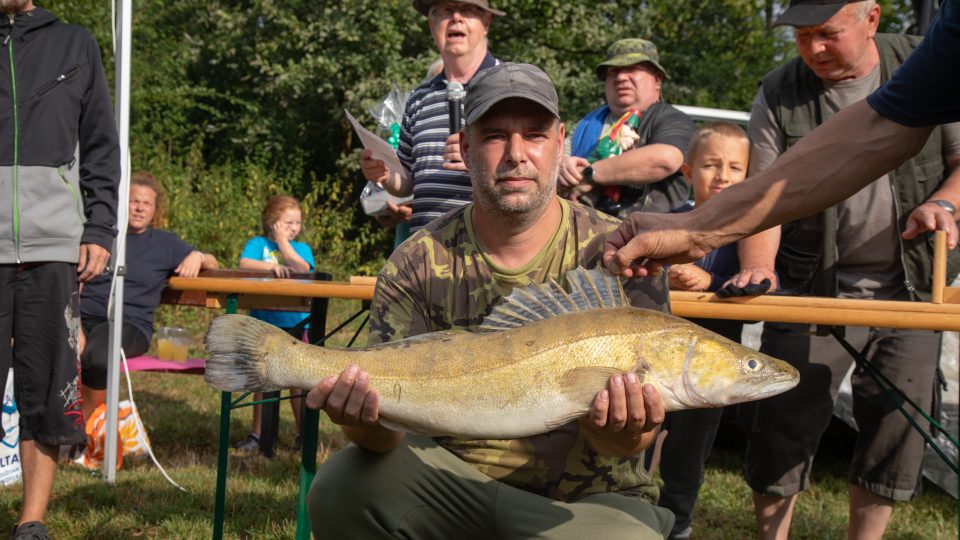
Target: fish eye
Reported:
[(752, 364)]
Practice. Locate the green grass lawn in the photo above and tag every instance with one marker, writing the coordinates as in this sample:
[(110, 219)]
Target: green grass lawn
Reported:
[(181, 415)]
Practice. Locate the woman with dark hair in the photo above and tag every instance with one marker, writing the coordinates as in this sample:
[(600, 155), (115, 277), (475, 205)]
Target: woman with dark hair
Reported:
[(152, 255)]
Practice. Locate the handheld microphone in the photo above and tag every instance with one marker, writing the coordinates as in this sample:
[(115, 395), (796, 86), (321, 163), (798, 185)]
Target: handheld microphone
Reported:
[(455, 95)]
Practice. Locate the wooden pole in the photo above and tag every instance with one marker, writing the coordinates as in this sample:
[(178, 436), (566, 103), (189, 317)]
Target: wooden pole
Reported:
[(277, 287), (808, 310), (791, 309)]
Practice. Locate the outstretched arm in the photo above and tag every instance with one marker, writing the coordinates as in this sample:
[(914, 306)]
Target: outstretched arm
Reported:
[(833, 162)]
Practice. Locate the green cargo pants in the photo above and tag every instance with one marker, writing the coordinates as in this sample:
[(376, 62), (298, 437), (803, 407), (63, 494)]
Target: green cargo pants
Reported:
[(421, 490)]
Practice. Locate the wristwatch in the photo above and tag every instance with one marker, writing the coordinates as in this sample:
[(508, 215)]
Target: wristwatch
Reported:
[(587, 174), (947, 205)]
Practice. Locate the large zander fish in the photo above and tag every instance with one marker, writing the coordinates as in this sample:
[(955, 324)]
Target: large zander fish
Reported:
[(541, 357)]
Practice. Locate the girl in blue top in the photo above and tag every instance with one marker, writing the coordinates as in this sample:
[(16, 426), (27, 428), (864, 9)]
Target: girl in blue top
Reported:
[(278, 252)]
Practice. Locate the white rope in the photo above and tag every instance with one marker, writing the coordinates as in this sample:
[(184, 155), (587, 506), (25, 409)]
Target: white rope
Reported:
[(141, 429)]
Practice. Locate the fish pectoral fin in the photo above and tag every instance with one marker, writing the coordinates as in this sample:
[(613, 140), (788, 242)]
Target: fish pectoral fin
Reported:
[(580, 385), (555, 423)]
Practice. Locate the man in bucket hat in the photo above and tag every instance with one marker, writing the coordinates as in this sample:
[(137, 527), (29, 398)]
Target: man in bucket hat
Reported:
[(870, 245), (429, 152), (580, 480), (626, 155)]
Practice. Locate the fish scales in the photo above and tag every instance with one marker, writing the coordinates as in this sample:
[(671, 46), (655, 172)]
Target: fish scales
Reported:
[(517, 381)]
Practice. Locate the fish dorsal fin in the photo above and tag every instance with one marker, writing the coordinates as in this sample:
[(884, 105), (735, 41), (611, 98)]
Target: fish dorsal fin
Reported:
[(598, 288), (589, 289)]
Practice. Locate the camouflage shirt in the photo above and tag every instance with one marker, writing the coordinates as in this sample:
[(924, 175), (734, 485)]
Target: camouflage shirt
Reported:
[(441, 279)]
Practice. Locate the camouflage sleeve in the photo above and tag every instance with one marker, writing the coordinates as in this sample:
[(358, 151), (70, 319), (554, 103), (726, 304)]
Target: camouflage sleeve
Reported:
[(397, 311)]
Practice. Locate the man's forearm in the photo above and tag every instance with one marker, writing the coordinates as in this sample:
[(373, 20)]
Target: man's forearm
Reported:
[(759, 250), (644, 165), (852, 149), (398, 184)]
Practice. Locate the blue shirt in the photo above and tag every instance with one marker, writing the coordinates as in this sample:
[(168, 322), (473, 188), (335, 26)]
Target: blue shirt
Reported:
[(925, 91), (261, 248), (722, 263)]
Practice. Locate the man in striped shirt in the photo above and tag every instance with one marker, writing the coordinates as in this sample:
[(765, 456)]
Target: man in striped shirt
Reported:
[(430, 154)]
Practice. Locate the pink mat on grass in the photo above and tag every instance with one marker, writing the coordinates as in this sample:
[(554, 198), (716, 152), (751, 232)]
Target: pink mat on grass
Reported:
[(149, 363)]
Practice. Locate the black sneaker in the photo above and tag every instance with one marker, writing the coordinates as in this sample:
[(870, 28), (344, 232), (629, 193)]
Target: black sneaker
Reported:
[(31, 530), (251, 443)]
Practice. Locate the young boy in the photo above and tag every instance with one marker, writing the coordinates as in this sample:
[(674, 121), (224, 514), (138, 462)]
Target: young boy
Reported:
[(717, 159)]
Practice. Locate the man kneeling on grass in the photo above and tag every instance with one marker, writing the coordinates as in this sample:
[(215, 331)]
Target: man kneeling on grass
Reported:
[(582, 479)]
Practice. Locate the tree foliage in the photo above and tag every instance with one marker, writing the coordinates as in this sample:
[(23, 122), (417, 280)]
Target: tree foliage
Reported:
[(234, 100)]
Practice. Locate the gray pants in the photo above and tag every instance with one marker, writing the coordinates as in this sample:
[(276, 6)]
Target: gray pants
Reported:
[(421, 490), (888, 454)]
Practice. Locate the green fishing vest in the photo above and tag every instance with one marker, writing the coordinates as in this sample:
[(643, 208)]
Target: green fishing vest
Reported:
[(807, 259)]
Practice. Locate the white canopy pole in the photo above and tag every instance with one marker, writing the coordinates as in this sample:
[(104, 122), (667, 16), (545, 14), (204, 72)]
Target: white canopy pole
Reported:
[(122, 19)]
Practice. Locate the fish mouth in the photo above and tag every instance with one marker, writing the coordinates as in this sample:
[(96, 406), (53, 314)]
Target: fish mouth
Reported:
[(769, 388)]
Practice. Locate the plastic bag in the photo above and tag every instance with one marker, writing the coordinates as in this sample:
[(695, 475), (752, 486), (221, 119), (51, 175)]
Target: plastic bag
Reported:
[(131, 442), (10, 445), (388, 114)]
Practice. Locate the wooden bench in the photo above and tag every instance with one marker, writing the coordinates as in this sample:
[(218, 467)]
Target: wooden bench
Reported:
[(235, 289)]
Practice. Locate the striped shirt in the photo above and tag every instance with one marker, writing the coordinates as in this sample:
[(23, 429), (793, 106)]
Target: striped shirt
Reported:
[(423, 136)]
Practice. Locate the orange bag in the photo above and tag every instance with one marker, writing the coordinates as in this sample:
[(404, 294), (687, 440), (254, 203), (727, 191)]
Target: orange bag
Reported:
[(132, 440)]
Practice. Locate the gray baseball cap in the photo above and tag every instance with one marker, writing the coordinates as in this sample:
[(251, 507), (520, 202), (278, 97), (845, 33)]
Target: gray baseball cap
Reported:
[(509, 80), (810, 12)]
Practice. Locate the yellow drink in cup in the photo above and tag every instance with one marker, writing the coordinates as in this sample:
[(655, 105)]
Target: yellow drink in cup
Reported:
[(173, 343), (165, 348), (180, 351)]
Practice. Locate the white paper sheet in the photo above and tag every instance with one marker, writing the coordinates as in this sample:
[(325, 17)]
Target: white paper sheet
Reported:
[(380, 148)]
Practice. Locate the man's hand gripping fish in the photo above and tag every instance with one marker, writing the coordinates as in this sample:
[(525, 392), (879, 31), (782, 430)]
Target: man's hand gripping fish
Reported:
[(540, 358)]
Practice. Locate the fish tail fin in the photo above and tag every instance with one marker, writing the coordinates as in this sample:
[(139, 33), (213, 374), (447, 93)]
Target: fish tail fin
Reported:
[(236, 355)]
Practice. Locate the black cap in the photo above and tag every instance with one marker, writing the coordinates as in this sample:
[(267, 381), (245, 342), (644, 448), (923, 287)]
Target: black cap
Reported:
[(509, 80), (810, 12)]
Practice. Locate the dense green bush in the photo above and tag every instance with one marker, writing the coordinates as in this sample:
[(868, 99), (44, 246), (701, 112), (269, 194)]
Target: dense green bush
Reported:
[(236, 100)]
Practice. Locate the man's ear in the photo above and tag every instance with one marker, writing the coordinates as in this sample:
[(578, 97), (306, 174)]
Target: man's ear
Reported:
[(873, 19)]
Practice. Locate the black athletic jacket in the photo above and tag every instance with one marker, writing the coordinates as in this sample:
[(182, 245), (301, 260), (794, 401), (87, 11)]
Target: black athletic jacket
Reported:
[(59, 153)]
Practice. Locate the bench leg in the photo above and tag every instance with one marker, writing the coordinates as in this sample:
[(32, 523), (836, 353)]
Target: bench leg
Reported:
[(221, 496)]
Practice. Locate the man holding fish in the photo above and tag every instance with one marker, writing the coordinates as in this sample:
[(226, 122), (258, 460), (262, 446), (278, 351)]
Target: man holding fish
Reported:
[(533, 421), (516, 232)]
